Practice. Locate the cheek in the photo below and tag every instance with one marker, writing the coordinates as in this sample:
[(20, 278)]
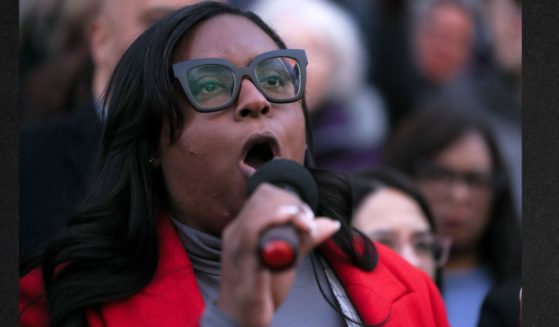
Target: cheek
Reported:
[(196, 152), (431, 195), (428, 266), (183, 160), (177, 164), (296, 138), (200, 178), (480, 216), (300, 147)]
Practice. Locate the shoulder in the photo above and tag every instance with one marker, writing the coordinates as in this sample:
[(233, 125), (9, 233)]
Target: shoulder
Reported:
[(502, 304), (50, 144), (34, 137), (393, 291), (32, 300), (390, 265), (393, 264), (413, 291), (395, 270), (82, 121)]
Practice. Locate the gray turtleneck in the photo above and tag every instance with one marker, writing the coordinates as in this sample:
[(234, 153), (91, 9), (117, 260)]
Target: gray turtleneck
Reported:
[(305, 305)]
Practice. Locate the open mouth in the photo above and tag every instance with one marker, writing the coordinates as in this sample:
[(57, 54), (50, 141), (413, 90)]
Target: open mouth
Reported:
[(260, 151)]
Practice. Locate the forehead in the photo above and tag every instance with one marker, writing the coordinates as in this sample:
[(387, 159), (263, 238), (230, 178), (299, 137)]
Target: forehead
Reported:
[(140, 8), (389, 208), (232, 37), (452, 16), (468, 152)]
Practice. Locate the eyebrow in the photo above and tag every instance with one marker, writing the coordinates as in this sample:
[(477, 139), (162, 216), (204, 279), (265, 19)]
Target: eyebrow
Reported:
[(389, 233), (381, 233), (422, 234)]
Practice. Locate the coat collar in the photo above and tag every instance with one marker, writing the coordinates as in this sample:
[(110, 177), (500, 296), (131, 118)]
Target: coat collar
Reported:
[(174, 299), (371, 292)]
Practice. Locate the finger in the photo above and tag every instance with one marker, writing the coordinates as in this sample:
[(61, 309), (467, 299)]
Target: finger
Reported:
[(261, 209), (300, 215), (325, 229), (246, 235)]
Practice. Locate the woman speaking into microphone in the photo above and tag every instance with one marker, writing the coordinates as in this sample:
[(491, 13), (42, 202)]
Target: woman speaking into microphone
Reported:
[(168, 235)]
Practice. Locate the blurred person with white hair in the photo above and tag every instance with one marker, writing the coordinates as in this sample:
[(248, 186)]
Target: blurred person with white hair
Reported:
[(348, 116)]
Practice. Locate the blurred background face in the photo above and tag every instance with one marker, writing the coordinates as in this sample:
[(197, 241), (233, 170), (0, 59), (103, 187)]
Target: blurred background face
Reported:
[(322, 62), (396, 220), (506, 24), (458, 187), (443, 43), (118, 24)]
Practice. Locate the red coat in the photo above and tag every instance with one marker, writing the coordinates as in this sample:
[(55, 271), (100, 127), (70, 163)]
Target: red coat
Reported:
[(393, 291)]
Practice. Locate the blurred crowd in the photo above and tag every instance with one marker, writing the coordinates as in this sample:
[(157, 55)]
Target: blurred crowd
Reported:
[(418, 101)]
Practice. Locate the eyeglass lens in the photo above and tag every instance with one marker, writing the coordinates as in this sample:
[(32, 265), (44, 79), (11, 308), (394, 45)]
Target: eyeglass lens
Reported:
[(212, 85), (476, 180), (423, 244)]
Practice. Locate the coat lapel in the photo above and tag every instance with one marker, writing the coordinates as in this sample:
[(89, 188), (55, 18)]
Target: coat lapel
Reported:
[(171, 299), (373, 300)]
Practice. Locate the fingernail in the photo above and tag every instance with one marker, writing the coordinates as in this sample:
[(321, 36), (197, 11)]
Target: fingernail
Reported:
[(337, 225), (308, 213), (287, 210)]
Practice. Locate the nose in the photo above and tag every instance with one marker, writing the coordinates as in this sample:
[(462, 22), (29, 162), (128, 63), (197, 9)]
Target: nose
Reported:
[(459, 191), (251, 102)]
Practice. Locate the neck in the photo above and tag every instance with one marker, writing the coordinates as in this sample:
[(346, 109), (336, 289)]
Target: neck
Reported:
[(463, 259), (99, 84)]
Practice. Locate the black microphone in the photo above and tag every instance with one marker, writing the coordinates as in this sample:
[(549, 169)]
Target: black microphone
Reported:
[(279, 245)]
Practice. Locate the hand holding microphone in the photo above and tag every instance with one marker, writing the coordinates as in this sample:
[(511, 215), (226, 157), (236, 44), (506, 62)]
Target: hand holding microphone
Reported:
[(261, 245), (279, 245)]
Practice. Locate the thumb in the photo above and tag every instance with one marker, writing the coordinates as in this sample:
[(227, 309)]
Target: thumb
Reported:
[(325, 228)]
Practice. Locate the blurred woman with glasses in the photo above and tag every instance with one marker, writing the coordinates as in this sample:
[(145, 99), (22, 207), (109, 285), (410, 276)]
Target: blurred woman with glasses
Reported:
[(390, 210), (453, 157)]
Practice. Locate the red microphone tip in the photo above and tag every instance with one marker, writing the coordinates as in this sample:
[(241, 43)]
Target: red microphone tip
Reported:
[(278, 255)]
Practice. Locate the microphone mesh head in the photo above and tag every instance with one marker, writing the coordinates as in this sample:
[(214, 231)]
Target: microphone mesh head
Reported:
[(286, 174)]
